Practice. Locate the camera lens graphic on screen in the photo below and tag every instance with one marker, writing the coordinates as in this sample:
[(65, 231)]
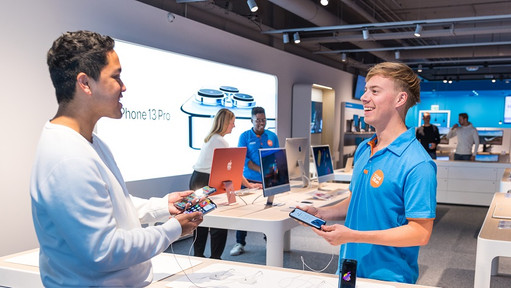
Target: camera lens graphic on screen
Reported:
[(205, 103), (209, 97)]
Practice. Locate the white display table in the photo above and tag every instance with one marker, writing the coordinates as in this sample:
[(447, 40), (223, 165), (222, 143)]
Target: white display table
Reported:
[(205, 272), (274, 221), (492, 242)]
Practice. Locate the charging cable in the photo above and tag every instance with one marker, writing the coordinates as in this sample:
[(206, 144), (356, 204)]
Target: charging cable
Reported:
[(324, 268)]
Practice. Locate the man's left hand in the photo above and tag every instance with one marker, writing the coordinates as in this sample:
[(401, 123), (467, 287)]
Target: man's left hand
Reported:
[(176, 197)]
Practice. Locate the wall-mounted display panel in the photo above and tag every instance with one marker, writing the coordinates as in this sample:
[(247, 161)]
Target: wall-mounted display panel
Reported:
[(169, 105)]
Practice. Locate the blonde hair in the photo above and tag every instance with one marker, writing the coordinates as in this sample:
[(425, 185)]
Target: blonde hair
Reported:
[(404, 78), (220, 123)]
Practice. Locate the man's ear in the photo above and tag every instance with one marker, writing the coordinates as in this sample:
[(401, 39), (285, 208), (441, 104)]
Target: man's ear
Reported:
[(82, 80), (401, 99)]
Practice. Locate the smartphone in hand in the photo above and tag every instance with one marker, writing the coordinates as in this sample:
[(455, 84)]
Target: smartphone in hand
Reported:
[(307, 218), (205, 206), (197, 194)]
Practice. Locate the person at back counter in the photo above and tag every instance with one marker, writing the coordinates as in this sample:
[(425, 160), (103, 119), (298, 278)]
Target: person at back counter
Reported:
[(428, 135), (467, 138)]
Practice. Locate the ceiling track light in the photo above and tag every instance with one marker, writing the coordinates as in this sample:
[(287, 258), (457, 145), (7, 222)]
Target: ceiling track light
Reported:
[(343, 57), (285, 38), (418, 30), (397, 54), (419, 68), (324, 2), (252, 5), (365, 34), (296, 37)]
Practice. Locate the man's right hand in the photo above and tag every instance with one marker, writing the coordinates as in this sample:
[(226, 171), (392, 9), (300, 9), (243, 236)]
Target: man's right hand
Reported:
[(189, 222), (455, 126)]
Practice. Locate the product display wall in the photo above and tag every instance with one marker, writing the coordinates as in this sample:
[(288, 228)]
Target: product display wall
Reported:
[(169, 105)]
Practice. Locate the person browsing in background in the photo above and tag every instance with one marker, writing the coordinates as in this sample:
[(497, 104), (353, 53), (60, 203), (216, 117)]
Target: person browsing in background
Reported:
[(428, 135), (467, 138), (392, 203), (223, 123), (87, 224), (254, 139)]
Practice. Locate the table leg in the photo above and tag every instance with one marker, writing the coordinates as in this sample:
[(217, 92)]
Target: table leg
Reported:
[(287, 240), (275, 248), (484, 261)]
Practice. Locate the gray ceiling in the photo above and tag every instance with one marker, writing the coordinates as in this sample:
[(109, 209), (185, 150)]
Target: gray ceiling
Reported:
[(460, 39)]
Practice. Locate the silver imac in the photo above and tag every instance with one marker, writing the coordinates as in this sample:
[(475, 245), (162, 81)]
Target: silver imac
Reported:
[(323, 163), (297, 153)]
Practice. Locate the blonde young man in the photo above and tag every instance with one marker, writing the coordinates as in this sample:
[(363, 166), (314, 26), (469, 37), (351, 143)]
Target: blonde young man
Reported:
[(392, 204)]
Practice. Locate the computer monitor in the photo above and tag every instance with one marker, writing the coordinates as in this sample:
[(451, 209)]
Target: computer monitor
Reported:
[(323, 163), (487, 138), (274, 172), (297, 153), (227, 165)]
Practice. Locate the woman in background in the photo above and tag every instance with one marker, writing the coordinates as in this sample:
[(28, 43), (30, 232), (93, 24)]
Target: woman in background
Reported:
[(223, 123)]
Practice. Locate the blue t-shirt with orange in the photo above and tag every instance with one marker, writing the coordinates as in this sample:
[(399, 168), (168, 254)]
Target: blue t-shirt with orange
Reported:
[(254, 142), (396, 183)]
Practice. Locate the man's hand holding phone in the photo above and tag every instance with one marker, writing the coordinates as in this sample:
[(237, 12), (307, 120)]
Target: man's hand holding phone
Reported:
[(179, 201), (187, 199), (307, 218)]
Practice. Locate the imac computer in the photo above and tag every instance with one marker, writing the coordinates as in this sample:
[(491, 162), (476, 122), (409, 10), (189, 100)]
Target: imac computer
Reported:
[(323, 163), (274, 172), (297, 153), (227, 171)]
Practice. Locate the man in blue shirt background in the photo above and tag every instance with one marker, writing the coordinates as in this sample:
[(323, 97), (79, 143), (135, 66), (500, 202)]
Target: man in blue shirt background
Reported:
[(392, 204), (254, 139)]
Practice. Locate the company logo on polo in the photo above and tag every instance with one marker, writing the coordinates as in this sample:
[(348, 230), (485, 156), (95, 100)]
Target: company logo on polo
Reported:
[(377, 179)]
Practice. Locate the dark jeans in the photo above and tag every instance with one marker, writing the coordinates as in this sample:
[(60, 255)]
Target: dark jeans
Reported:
[(240, 237), (465, 157), (218, 236)]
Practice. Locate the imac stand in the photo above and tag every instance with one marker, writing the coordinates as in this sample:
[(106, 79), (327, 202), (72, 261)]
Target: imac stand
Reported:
[(305, 179), (229, 191), (270, 203)]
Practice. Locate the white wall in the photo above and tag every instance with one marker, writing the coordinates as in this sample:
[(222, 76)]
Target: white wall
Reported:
[(27, 100)]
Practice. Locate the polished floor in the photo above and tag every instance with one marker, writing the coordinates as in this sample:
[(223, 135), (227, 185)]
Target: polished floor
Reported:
[(447, 261)]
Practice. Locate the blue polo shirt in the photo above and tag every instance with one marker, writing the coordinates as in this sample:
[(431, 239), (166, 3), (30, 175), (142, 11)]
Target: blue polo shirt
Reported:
[(396, 183), (253, 142)]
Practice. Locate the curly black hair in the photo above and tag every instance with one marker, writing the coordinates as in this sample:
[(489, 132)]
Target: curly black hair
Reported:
[(75, 52)]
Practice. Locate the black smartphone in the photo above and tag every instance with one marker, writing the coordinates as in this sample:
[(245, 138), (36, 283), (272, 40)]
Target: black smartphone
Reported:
[(205, 206), (197, 194), (348, 276), (307, 218)]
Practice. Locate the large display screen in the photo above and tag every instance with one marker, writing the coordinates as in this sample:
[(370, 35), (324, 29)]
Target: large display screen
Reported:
[(507, 110), (169, 105), (360, 83)]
